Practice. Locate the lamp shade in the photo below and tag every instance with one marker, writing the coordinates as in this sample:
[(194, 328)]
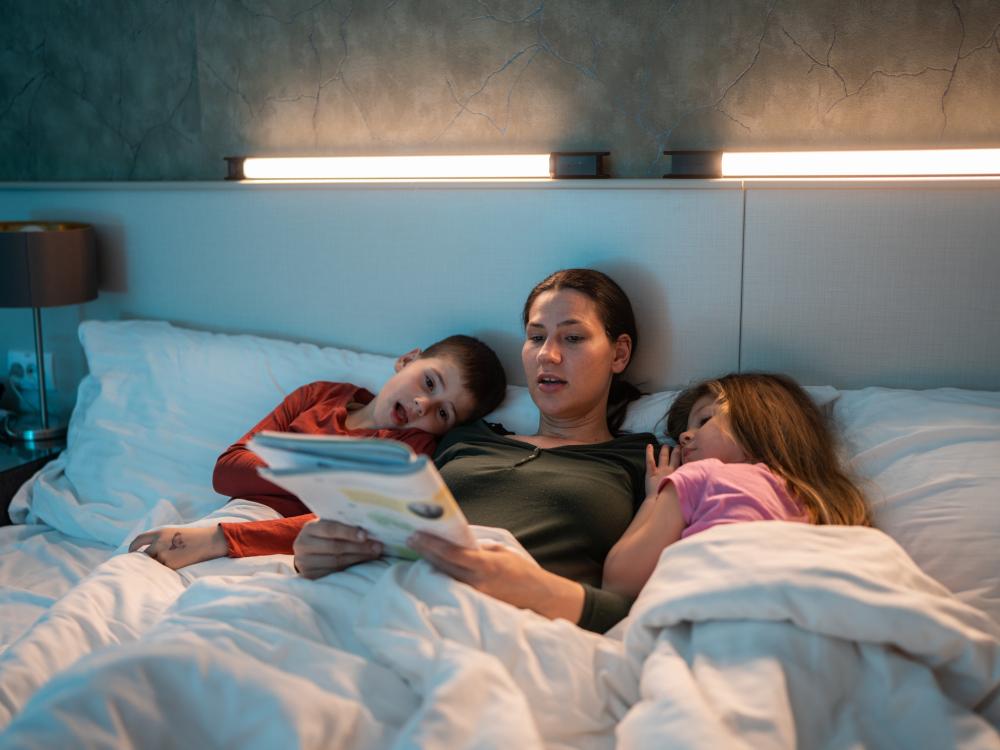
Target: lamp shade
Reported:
[(45, 264)]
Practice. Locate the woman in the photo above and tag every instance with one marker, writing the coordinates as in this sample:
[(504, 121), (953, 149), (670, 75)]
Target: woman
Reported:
[(566, 492)]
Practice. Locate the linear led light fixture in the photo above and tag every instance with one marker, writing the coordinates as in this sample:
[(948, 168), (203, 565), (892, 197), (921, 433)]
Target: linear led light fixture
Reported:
[(954, 162), (559, 165)]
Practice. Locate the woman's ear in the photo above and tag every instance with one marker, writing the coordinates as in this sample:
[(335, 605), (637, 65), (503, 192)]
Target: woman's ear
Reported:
[(404, 359), (623, 353)]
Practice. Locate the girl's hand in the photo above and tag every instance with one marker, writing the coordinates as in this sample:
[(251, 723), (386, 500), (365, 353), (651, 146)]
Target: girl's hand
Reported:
[(326, 546), (178, 546), (504, 575), (669, 460)]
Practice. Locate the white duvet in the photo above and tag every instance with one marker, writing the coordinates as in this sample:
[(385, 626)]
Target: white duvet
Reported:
[(755, 635)]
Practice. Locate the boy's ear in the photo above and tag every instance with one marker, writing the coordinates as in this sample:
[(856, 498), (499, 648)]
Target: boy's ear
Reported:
[(623, 353), (405, 359)]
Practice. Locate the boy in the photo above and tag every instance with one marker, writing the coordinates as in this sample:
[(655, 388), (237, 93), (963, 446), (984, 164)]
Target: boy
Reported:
[(456, 380)]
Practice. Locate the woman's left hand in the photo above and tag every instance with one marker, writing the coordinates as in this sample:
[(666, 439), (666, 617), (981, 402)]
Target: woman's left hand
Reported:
[(504, 575)]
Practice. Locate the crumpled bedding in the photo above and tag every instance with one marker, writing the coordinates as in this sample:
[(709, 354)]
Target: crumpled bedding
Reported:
[(754, 635), (38, 565)]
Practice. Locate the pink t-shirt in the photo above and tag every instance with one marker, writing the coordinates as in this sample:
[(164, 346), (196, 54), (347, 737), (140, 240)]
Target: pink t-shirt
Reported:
[(712, 492)]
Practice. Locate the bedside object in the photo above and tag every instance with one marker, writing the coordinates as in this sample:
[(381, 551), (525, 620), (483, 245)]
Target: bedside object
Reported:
[(44, 264), (18, 461)]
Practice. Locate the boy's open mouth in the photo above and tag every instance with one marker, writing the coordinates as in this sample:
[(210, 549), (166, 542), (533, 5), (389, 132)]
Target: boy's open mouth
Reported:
[(399, 414)]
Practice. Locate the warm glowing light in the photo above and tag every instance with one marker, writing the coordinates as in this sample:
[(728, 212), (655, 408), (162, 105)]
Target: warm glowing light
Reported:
[(938, 162), (398, 167)]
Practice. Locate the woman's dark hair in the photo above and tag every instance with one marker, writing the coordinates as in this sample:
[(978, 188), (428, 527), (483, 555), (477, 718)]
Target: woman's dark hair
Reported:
[(615, 311)]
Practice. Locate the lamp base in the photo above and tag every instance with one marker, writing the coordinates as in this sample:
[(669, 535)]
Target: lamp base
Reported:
[(28, 429)]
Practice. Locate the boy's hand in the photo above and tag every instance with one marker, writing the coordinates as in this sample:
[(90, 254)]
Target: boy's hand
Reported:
[(178, 546), (656, 470), (326, 546)]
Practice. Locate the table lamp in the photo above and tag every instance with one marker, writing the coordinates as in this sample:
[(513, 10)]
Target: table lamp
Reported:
[(44, 264)]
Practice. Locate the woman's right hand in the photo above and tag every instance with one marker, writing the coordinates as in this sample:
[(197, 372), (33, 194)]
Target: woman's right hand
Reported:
[(326, 546)]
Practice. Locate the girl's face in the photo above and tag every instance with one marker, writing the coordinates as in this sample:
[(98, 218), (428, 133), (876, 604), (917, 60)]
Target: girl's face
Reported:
[(709, 434), (567, 357)]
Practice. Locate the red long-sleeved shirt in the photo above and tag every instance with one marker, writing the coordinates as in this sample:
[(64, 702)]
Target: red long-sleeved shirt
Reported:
[(316, 408)]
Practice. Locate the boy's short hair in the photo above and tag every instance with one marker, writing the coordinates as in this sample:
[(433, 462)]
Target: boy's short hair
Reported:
[(482, 373)]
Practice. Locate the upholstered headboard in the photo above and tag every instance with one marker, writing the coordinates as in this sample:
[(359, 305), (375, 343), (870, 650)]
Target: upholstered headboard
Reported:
[(848, 284)]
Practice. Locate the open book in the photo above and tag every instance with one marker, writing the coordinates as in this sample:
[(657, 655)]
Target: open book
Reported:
[(377, 484)]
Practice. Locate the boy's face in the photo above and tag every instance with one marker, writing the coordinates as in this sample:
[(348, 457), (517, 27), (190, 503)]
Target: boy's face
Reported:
[(424, 394)]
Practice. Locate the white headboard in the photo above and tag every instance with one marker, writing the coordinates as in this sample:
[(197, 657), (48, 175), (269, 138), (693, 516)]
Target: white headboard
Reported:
[(853, 284), (892, 285)]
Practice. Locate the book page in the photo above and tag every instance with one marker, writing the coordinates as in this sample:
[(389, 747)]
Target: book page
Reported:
[(378, 451), (390, 507)]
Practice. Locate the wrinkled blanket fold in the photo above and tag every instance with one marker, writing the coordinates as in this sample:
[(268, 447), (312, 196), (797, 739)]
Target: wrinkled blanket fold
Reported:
[(755, 635)]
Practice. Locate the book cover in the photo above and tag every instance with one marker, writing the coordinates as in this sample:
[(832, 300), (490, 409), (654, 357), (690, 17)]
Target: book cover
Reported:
[(379, 485)]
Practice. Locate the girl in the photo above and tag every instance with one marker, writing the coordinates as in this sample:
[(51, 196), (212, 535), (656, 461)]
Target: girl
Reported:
[(754, 447)]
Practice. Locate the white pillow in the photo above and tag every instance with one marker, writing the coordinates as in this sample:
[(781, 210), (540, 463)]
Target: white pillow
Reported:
[(649, 413), (161, 403), (933, 461), (519, 414), (158, 407)]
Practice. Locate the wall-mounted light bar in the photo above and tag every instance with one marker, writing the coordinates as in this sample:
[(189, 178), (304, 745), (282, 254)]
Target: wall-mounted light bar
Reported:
[(563, 165), (961, 162)]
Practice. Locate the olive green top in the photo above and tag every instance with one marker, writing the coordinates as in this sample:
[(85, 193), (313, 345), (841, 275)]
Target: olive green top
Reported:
[(566, 505)]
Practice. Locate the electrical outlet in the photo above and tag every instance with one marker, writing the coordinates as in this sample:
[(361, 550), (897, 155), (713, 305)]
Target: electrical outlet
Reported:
[(22, 369)]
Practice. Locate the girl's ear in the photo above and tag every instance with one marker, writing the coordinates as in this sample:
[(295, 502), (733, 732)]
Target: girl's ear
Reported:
[(405, 359), (622, 353)]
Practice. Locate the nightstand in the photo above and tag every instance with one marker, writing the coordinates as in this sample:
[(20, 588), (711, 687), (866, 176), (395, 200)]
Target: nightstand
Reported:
[(18, 461)]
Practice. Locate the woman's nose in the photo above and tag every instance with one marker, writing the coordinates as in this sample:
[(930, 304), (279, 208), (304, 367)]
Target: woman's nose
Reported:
[(550, 351)]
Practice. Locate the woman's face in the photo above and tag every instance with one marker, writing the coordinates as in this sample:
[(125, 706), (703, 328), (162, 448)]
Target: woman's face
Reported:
[(567, 356)]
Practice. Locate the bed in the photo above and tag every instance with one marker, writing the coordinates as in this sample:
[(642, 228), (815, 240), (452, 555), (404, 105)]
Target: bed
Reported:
[(747, 637)]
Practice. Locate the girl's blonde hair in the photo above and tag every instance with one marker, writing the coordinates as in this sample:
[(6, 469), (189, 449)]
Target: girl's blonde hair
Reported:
[(776, 423)]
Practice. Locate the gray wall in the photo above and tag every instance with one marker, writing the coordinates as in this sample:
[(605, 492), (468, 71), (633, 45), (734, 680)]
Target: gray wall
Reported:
[(848, 284), (322, 263), (156, 90)]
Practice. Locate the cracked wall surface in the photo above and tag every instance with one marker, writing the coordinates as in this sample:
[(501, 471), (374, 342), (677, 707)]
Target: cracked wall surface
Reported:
[(162, 90)]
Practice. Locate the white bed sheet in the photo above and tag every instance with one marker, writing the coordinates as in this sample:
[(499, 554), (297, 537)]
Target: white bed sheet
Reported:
[(37, 566), (753, 635)]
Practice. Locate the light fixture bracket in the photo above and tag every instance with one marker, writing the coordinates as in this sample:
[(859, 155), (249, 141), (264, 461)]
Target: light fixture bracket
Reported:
[(234, 167), (693, 165), (578, 165)]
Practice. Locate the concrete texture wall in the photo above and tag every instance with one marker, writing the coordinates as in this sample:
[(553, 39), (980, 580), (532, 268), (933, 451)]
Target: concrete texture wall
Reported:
[(161, 90)]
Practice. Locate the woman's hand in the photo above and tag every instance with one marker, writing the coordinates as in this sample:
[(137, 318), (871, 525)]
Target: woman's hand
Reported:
[(178, 546), (505, 575), (325, 546), (669, 460)]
